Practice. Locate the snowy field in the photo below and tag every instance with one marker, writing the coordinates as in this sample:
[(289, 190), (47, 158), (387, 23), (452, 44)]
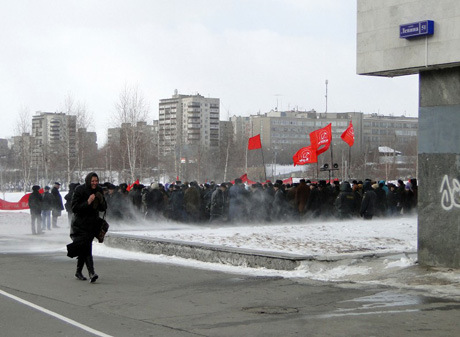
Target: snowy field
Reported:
[(396, 237)]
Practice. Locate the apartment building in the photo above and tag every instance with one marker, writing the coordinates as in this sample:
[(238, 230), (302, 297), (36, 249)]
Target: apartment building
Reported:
[(187, 123), (55, 137)]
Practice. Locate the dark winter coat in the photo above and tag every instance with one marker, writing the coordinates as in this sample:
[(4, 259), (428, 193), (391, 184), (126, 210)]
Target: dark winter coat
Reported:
[(217, 204), (48, 201), (301, 196), (238, 197), (345, 201), (58, 206), (279, 205), (368, 203), (68, 197), (35, 203), (85, 222), (192, 202)]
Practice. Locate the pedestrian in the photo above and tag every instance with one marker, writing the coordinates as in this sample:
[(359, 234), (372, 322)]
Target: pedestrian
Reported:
[(47, 206), (87, 201), (345, 201), (368, 203), (57, 204), (68, 201), (218, 202), (35, 205)]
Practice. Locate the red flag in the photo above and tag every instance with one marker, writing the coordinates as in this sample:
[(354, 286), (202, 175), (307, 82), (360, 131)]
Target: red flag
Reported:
[(254, 143), (131, 186), (348, 136), (305, 155), (321, 137)]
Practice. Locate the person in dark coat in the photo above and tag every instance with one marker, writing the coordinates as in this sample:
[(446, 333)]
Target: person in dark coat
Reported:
[(381, 202), (368, 203), (345, 201), (58, 207), (192, 202), (152, 200), (301, 196), (35, 205), (176, 204), (279, 204), (87, 201), (47, 206), (68, 201), (238, 199), (218, 204)]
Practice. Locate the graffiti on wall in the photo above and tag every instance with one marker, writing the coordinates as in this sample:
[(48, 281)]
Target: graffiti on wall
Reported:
[(450, 193)]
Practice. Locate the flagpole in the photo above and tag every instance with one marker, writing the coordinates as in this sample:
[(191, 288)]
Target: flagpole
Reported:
[(332, 160), (349, 162), (246, 170), (263, 162)]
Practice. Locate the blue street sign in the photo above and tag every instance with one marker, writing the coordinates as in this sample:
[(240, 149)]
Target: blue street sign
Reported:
[(421, 28)]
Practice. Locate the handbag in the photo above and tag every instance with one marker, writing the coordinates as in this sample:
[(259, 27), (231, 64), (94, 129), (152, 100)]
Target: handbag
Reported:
[(103, 227), (76, 248)]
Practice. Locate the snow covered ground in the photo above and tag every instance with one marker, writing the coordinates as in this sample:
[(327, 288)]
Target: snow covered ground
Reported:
[(396, 237)]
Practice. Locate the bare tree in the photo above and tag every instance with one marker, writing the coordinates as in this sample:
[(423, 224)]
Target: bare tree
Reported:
[(83, 120), (23, 129), (131, 108)]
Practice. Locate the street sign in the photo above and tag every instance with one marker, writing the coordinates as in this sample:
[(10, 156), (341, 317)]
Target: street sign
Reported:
[(415, 29)]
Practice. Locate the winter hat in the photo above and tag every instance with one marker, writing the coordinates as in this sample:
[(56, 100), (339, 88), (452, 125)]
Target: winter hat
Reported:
[(47, 188), (154, 186), (35, 188)]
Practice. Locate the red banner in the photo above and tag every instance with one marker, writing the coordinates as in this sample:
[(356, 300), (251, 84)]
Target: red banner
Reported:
[(306, 155), (23, 203), (321, 138), (348, 136), (254, 143)]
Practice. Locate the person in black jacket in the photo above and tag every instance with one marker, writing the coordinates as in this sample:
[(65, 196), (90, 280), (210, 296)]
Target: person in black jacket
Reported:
[(345, 201), (68, 201), (47, 206), (87, 201), (218, 201), (57, 204), (35, 205), (369, 199)]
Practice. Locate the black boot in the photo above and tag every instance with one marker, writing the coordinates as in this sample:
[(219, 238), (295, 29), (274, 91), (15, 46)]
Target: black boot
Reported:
[(80, 264), (90, 265)]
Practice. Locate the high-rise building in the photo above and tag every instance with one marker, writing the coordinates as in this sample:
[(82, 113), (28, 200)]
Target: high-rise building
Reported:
[(55, 138), (188, 123)]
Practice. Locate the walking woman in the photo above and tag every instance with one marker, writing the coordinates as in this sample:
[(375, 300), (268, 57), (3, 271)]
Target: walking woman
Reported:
[(87, 201)]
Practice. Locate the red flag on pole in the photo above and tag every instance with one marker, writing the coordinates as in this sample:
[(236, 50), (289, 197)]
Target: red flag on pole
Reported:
[(321, 137), (254, 143), (131, 186), (306, 155), (348, 136)]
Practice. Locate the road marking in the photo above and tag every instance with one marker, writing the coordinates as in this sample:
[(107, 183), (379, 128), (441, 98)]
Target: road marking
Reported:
[(58, 316)]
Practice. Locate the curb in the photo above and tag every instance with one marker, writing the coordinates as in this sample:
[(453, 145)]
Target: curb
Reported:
[(226, 255)]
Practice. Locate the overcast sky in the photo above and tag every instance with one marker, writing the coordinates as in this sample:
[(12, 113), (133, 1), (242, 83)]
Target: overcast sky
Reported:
[(255, 55)]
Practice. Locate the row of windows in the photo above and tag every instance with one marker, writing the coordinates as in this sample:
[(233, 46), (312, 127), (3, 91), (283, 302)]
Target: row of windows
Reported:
[(319, 124), (392, 125)]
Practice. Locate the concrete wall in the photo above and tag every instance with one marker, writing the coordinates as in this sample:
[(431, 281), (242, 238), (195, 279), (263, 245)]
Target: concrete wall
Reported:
[(439, 168), (381, 52)]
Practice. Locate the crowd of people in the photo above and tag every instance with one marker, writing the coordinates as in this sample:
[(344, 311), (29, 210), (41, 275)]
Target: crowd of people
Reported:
[(45, 208), (210, 203), (267, 202)]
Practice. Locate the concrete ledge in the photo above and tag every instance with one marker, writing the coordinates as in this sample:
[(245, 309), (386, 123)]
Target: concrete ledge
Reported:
[(225, 255)]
